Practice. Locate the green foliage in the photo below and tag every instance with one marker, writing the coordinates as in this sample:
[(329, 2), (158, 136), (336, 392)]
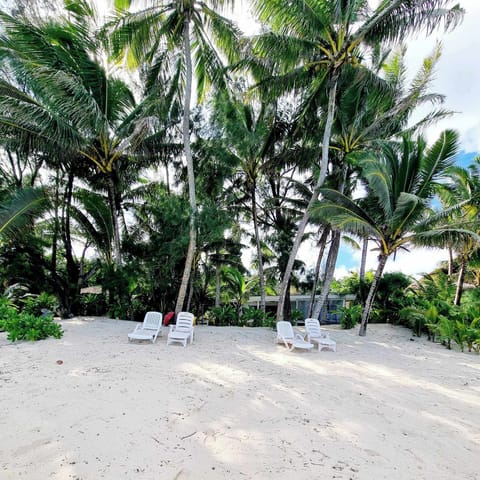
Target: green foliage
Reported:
[(350, 316), (235, 288), (253, 317), (7, 311), (296, 316), (351, 284), (468, 335), (224, 315), (37, 304), (92, 304), (391, 296), (18, 212), (25, 326), (446, 331)]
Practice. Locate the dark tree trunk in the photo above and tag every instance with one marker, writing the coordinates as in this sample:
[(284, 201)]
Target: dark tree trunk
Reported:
[(71, 285)]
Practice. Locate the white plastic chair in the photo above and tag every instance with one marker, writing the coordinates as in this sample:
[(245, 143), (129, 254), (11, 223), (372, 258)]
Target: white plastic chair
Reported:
[(291, 339), (183, 329), (150, 329), (314, 334)]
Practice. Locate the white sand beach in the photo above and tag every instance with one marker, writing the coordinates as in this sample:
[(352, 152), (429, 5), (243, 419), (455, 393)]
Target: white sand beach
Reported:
[(236, 406)]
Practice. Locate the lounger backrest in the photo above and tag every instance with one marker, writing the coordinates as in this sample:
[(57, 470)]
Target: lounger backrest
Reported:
[(312, 327), (184, 321), (285, 330), (152, 320)]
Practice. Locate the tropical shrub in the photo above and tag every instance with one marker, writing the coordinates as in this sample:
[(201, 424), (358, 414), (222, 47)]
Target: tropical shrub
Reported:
[(350, 316), (224, 315), (446, 331), (7, 311), (37, 304), (253, 317), (296, 316), (25, 326), (391, 297)]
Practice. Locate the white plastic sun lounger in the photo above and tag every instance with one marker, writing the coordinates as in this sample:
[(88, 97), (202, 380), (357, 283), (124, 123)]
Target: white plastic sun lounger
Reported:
[(150, 329), (291, 340), (314, 334), (183, 329)]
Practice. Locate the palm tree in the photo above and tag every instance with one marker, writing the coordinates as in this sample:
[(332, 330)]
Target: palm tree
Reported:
[(400, 184), (368, 113), (312, 43), (172, 37), (248, 139), (73, 108), (464, 187)]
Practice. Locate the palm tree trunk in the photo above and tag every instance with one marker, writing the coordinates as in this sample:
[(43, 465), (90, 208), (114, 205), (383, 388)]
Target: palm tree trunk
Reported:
[(71, 284), (191, 175), (361, 276), (450, 262), (116, 227), (322, 244), (363, 261), (306, 216), (329, 271), (261, 276), (371, 295), (217, 284), (460, 282)]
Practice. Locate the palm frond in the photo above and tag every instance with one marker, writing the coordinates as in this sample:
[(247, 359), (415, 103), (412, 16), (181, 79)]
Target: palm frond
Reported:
[(19, 211)]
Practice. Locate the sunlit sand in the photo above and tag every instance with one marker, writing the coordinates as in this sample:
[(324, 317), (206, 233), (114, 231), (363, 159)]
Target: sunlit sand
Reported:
[(235, 405)]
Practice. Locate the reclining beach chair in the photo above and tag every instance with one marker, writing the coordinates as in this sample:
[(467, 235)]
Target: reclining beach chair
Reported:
[(314, 334), (291, 340), (183, 329), (149, 329)]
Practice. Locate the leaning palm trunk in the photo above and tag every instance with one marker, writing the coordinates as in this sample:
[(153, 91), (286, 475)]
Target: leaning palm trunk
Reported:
[(363, 261), (329, 272), (361, 275), (322, 243), (306, 216), (371, 295), (460, 281), (261, 276), (191, 176)]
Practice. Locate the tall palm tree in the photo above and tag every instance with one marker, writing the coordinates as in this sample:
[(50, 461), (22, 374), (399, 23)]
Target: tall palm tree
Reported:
[(369, 113), (312, 42), (396, 213), (248, 139), (172, 37)]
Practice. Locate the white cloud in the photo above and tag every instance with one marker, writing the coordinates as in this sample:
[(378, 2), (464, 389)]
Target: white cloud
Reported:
[(415, 262), (458, 75)]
